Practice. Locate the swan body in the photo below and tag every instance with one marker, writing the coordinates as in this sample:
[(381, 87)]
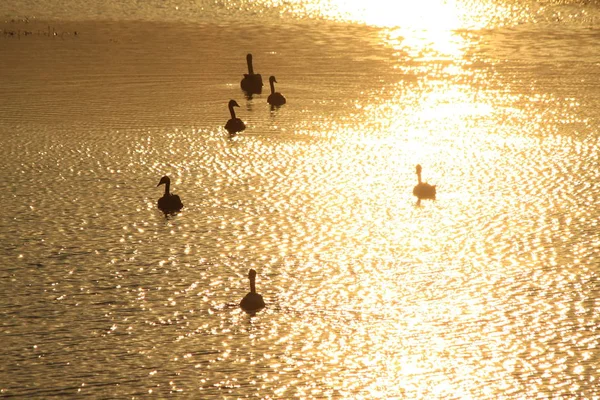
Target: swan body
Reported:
[(169, 202), (275, 98), (251, 83), (423, 190), (253, 301), (234, 125)]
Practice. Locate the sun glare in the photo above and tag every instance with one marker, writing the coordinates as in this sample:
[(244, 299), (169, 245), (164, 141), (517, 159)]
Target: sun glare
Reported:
[(431, 15), (414, 15), (425, 29)]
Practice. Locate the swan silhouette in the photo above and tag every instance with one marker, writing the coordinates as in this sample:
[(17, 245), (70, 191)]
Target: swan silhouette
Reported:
[(275, 99), (234, 125), (253, 301), (169, 202), (251, 83), (423, 190)]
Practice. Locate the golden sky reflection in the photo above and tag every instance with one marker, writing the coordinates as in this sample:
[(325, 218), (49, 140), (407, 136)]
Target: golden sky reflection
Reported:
[(423, 30)]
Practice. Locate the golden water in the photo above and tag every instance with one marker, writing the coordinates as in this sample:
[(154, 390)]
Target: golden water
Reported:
[(488, 292)]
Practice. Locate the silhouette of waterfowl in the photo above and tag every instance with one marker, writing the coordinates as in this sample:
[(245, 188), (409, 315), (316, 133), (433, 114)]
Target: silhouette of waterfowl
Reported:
[(234, 125), (275, 99), (251, 83), (169, 202), (253, 301), (423, 190)]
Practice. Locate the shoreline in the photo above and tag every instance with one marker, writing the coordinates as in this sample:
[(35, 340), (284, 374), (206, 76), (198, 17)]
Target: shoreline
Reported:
[(61, 27), (49, 31)]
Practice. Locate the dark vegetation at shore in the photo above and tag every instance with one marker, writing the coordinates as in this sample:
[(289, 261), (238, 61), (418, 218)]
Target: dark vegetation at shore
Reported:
[(16, 30)]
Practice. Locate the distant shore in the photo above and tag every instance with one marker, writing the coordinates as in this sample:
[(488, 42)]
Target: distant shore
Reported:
[(23, 27)]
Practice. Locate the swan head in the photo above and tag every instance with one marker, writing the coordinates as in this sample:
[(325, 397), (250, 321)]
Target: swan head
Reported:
[(233, 103), (419, 168), (164, 180), (252, 274), (272, 79), (249, 57)]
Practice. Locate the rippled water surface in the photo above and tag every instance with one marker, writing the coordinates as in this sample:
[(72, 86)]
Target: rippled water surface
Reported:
[(490, 291)]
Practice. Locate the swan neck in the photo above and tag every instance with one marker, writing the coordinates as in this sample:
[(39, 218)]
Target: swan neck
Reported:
[(419, 175), (252, 284), (272, 83), (232, 112), (167, 188), (250, 69)]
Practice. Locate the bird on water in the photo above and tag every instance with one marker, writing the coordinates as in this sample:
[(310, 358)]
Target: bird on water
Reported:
[(253, 301), (423, 190), (275, 99), (234, 125), (251, 83), (169, 202)]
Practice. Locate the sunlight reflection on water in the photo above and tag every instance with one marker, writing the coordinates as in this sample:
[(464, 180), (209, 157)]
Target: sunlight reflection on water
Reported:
[(489, 291)]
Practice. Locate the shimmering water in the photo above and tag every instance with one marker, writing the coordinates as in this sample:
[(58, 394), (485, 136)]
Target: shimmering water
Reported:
[(488, 292)]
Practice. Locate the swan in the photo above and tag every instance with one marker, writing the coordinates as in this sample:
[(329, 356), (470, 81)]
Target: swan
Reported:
[(423, 190), (234, 125), (251, 83), (253, 301), (169, 202), (275, 98)]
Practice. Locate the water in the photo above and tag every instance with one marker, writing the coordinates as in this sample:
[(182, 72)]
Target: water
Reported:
[(488, 292)]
